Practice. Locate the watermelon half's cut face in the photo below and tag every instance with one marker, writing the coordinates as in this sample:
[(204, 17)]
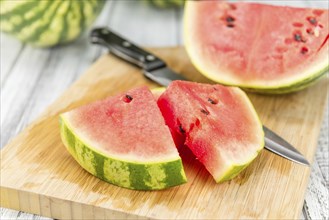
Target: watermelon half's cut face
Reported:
[(219, 124), (124, 140), (269, 49)]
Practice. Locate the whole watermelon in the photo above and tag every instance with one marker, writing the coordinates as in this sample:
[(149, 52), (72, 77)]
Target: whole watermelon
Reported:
[(47, 23), (166, 3)]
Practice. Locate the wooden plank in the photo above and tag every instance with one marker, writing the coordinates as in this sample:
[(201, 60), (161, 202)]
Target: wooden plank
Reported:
[(10, 51), (18, 79), (271, 186), (317, 196)]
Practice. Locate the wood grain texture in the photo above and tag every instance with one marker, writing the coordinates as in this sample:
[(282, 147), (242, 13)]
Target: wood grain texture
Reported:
[(47, 176)]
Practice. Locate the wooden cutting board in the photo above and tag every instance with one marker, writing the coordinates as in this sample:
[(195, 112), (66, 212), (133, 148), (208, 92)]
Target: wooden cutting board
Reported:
[(39, 176)]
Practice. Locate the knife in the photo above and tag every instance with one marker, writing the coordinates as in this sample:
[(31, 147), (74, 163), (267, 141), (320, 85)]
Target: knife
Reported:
[(156, 70)]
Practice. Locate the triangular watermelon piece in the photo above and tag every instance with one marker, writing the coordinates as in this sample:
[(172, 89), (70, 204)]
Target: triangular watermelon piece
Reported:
[(124, 140), (218, 123)]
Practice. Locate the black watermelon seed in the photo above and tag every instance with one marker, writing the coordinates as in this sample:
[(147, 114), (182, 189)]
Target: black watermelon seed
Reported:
[(212, 101), (230, 25), (312, 20), (298, 37), (230, 19), (181, 129), (129, 97), (204, 111)]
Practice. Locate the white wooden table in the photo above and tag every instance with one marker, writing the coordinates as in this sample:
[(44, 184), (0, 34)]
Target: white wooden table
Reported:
[(32, 78)]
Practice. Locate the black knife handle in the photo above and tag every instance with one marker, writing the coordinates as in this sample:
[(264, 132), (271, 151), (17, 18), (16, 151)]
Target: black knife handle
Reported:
[(125, 49)]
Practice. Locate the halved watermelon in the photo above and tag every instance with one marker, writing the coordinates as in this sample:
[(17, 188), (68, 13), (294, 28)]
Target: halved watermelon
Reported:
[(264, 48), (218, 123), (124, 140)]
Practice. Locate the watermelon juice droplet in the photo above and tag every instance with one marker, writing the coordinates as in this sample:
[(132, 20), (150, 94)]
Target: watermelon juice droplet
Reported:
[(309, 31), (304, 50), (197, 122), (297, 24)]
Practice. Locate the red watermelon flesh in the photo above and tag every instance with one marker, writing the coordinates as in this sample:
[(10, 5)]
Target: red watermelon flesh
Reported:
[(136, 128), (219, 125), (255, 45)]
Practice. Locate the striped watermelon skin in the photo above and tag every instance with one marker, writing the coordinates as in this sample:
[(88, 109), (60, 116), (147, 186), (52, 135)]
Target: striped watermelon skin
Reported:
[(47, 23), (151, 176), (166, 3)]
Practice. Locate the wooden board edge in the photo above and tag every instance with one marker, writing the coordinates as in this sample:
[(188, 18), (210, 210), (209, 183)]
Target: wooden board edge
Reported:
[(53, 207)]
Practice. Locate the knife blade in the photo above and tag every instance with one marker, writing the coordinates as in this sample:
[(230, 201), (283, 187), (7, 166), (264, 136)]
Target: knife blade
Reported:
[(156, 70), (282, 147)]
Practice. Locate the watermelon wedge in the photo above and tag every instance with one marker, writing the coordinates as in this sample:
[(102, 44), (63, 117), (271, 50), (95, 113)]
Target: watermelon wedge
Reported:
[(218, 123), (258, 47), (124, 140)]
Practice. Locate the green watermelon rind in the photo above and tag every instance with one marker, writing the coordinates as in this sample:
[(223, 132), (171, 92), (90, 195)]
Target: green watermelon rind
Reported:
[(15, 28), (291, 85), (41, 11), (236, 169), (72, 23), (39, 27), (123, 173), (163, 4), (44, 35), (19, 10)]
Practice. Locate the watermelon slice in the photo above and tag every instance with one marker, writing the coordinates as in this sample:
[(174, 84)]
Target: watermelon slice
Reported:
[(124, 140), (218, 124), (264, 48)]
